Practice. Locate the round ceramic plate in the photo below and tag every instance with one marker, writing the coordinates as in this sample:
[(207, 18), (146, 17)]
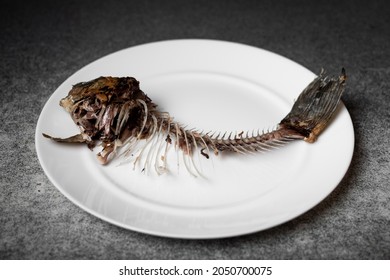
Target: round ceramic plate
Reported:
[(212, 86)]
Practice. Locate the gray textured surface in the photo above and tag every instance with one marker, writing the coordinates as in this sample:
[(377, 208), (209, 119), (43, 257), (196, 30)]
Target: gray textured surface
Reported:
[(44, 42)]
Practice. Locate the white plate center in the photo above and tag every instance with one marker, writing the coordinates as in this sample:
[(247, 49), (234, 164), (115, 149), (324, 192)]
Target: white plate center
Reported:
[(210, 102)]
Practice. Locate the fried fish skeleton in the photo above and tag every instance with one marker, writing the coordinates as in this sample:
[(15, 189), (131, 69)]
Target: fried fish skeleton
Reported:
[(116, 114)]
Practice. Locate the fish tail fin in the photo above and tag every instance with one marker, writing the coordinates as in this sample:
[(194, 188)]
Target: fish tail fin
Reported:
[(315, 106)]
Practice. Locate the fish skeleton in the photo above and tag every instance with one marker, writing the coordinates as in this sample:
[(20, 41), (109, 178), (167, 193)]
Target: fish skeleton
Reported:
[(115, 113)]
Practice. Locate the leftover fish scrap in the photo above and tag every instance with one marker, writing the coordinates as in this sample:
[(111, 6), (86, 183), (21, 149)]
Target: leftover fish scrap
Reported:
[(116, 114)]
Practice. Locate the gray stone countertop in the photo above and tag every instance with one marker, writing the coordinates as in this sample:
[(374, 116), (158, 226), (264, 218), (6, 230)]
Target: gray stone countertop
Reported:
[(44, 42)]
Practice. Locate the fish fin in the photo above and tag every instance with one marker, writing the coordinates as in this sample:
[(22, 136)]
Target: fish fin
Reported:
[(315, 106), (78, 138)]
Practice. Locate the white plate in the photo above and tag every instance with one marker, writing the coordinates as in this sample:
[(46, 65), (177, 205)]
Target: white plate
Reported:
[(210, 85)]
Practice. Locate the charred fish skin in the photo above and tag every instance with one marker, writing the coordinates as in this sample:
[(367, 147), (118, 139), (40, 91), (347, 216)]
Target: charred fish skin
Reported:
[(98, 105), (114, 111)]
